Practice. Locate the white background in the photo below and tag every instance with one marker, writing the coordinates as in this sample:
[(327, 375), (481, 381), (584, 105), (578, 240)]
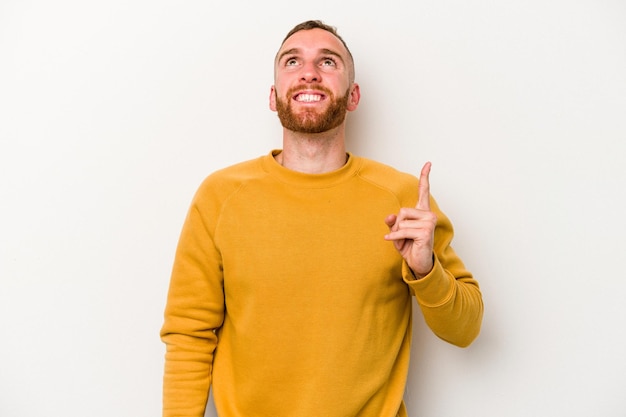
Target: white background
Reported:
[(111, 113)]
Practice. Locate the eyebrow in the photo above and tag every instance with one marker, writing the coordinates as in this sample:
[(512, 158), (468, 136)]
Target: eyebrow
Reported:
[(323, 51)]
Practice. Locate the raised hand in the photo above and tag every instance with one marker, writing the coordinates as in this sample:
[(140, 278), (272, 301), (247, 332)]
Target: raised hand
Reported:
[(412, 230)]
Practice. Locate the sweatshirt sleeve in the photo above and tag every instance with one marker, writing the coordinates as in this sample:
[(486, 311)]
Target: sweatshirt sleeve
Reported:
[(194, 311), (449, 296)]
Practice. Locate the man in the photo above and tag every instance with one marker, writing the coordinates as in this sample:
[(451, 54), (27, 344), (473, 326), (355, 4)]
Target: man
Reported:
[(291, 288)]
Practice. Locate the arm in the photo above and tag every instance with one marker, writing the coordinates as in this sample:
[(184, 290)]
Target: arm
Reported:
[(448, 295), (195, 309)]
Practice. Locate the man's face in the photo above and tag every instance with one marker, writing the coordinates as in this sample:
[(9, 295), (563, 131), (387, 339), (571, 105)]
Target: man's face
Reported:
[(312, 90)]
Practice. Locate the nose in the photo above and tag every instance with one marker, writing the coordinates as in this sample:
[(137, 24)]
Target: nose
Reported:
[(310, 73)]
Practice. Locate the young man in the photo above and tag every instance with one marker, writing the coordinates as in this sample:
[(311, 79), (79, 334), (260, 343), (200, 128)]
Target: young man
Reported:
[(291, 288)]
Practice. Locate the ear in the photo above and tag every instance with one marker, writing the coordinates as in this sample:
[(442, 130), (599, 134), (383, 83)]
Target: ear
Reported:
[(355, 96), (273, 98)]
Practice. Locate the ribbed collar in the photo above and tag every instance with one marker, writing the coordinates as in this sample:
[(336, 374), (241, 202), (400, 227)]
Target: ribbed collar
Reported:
[(300, 179)]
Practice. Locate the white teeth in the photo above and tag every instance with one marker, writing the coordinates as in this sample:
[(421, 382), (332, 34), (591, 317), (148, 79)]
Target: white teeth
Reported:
[(308, 97)]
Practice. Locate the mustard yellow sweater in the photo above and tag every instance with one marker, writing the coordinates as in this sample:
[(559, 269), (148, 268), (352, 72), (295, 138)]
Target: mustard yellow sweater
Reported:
[(286, 300)]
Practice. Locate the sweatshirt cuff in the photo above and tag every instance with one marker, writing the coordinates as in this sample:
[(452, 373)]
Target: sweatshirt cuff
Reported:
[(434, 289)]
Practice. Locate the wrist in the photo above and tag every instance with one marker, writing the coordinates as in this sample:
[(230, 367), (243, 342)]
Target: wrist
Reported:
[(418, 274)]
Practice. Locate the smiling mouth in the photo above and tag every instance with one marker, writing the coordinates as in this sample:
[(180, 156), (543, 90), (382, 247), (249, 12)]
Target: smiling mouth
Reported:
[(308, 98)]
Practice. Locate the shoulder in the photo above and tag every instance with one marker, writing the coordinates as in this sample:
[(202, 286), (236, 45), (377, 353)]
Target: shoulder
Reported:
[(402, 184), (239, 172), (225, 181)]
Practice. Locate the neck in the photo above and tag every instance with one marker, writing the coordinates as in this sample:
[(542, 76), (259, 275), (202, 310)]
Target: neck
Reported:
[(313, 153)]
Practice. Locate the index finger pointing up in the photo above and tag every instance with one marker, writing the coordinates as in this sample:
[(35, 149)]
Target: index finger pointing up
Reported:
[(423, 202)]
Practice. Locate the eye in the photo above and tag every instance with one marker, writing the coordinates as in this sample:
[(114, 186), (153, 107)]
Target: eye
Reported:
[(290, 62), (329, 62)]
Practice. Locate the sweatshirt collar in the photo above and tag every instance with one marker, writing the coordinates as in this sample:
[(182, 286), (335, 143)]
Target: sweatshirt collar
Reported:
[(327, 179)]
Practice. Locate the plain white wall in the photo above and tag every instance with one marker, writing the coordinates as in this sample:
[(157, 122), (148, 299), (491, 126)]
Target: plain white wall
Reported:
[(111, 113)]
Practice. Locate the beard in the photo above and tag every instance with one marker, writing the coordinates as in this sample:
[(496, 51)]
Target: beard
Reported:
[(309, 120)]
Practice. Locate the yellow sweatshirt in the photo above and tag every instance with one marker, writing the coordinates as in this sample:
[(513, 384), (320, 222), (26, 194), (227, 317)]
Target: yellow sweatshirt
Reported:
[(287, 301)]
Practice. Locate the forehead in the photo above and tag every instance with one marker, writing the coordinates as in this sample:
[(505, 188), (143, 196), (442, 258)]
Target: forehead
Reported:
[(313, 40)]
